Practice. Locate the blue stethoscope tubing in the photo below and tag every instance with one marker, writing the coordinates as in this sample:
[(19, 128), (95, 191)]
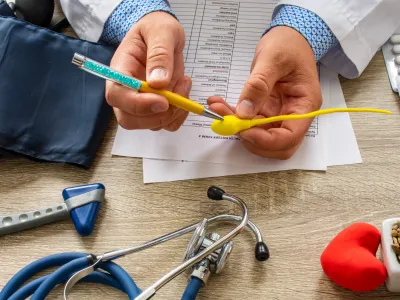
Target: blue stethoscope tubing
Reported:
[(71, 263), (68, 264)]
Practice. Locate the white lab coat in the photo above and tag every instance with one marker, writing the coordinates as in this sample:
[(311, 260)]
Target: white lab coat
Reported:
[(361, 26)]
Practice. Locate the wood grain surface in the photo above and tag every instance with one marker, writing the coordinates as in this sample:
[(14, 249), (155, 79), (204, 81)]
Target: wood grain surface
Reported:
[(299, 212)]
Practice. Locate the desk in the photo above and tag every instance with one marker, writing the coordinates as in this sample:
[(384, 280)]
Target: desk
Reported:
[(299, 212)]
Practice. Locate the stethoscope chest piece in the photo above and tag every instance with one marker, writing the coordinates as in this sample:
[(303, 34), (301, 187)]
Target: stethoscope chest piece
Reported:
[(224, 254), (214, 262)]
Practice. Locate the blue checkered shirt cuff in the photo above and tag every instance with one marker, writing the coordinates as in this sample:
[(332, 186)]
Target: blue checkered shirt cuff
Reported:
[(127, 14), (310, 25)]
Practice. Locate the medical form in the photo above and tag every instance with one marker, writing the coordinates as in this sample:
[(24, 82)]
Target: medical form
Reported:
[(220, 46), (221, 37), (340, 146)]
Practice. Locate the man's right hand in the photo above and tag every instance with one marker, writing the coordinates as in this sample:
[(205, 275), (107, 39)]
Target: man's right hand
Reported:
[(283, 81), (153, 51)]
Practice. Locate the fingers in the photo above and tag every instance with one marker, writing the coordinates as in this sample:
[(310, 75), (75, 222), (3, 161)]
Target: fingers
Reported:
[(279, 143), (179, 72), (130, 122), (215, 99), (221, 109), (171, 120), (273, 61), (179, 118), (130, 59), (220, 106), (282, 140), (161, 47), (182, 87), (258, 87), (273, 139), (290, 133), (281, 83), (134, 103)]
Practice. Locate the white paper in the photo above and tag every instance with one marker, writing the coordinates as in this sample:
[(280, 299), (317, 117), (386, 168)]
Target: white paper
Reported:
[(221, 38), (341, 145), (170, 170)]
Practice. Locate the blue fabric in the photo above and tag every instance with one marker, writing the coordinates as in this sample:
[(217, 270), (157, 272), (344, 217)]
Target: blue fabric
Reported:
[(310, 25), (5, 9), (50, 109), (126, 15)]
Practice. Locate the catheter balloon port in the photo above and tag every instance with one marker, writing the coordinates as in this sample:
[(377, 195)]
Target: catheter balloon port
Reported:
[(232, 125)]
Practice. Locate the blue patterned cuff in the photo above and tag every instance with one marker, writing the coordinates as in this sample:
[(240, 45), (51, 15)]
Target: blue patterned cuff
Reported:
[(126, 15), (310, 25)]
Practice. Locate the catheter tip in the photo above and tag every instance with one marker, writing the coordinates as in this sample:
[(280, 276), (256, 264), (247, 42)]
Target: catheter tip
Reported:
[(262, 252), (215, 193)]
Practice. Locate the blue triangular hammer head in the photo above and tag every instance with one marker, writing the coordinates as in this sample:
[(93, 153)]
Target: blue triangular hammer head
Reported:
[(83, 203)]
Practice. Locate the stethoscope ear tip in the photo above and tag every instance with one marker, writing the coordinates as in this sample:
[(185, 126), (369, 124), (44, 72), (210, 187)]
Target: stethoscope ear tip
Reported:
[(215, 193), (262, 252)]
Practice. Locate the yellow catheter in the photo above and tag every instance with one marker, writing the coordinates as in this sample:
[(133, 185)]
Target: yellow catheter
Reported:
[(232, 125)]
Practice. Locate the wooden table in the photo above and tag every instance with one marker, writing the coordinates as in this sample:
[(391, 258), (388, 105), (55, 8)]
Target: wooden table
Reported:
[(299, 212)]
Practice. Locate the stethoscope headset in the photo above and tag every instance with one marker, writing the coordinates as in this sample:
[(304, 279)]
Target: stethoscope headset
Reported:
[(36, 12)]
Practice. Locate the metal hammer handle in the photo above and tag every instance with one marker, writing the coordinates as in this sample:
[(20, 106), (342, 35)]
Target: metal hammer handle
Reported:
[(14, 223)]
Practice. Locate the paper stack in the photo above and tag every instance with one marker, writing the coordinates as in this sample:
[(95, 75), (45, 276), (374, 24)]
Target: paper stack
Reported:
[(217, 58)]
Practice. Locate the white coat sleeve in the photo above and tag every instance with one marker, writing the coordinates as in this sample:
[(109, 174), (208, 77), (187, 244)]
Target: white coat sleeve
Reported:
[(87, 17), (361, 26)]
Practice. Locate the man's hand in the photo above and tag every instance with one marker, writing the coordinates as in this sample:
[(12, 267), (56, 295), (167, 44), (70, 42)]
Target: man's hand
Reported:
[(284, 80), (153, 51)]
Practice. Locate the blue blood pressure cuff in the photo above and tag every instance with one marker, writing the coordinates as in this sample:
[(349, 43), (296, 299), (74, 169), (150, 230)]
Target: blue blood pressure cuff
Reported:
[(5, 9), (49, 109)]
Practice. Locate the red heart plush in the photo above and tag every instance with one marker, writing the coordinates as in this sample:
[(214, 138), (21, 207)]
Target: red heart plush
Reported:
[(350, 258)]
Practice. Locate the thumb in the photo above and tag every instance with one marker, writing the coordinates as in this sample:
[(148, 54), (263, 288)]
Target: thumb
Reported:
[(257, 89), (160, 57)]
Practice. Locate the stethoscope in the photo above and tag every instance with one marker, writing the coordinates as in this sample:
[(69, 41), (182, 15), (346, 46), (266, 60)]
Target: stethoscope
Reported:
[(204, 255)]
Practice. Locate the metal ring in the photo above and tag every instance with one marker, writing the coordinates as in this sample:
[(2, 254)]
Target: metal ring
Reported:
[(196, 240), (223, 257)]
